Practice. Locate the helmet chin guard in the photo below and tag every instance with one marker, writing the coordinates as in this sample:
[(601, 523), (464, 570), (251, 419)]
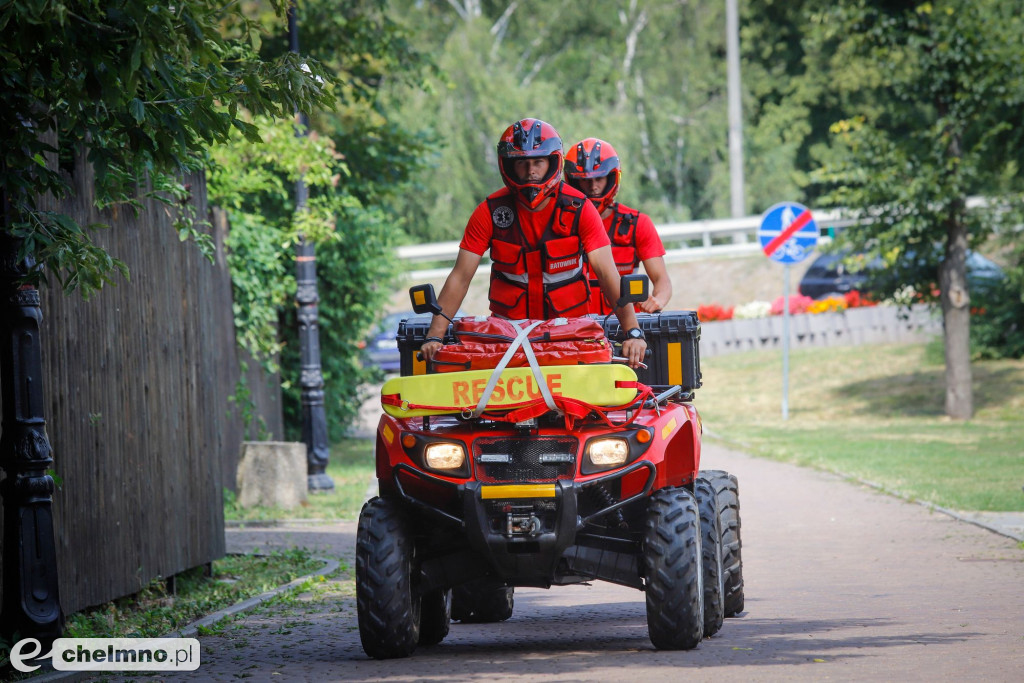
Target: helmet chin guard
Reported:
[(530, 139), (594, 158)]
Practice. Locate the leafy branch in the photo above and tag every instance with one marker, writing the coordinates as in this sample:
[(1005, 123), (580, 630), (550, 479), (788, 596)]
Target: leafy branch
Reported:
[(143, 106)]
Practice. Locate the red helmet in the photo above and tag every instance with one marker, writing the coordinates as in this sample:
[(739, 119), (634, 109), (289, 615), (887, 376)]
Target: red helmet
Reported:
[(593, 158), (527, 139)]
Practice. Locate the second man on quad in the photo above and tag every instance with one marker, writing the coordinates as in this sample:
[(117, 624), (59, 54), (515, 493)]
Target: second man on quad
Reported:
[(593, 167), (538, 230)]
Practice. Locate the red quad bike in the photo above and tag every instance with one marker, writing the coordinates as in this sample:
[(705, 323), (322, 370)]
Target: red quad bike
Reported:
[(526, 460)]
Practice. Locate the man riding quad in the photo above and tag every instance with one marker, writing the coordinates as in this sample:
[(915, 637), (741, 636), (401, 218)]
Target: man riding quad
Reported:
[(538, 230), (515, 452)]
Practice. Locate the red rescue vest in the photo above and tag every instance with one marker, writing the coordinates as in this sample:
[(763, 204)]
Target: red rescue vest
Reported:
[(622, 233), (544, 281)]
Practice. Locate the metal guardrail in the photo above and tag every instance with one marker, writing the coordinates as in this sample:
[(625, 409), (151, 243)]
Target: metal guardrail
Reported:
[(712, 238), (715, 238)]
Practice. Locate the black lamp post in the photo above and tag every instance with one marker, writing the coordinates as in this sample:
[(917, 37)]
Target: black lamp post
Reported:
[(314, 419), (31, 601)]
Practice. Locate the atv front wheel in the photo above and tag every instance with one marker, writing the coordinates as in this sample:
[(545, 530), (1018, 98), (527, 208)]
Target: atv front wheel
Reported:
[(728, 490), (387, 607), (675, 583), (482, 601), (711, 559), (435, 616)]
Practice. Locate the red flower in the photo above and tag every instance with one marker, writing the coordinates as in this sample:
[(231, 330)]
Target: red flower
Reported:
[(798, 303), (709, 312), (855, 299)]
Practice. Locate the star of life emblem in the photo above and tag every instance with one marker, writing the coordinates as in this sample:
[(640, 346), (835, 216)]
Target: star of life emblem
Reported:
[(503, 216)]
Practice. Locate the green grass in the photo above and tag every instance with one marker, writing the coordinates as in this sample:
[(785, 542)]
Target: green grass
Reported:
[(154, 612), (350, 466), (876, 413)]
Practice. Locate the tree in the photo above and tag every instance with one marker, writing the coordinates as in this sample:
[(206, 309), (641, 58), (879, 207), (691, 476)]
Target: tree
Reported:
[(254, 183), (610, 70), (143, 90), (950, 80), (355, 159)]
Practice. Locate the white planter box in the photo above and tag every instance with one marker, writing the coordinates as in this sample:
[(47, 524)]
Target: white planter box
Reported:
[(868, 325)]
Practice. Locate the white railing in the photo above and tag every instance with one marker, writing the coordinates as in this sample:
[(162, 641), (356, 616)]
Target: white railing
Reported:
[(718, 238)]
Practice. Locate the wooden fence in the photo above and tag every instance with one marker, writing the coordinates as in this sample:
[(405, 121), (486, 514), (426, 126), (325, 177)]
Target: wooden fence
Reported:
[(137, 385)]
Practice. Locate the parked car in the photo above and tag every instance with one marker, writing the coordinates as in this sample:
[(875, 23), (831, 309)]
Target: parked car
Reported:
[(828, 275), (381, 346)]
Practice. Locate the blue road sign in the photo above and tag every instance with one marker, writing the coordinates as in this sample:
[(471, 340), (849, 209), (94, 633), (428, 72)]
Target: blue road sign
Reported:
[(788, 233)]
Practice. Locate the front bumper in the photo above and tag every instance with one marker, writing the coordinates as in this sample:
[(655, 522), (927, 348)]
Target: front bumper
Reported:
[(522, 530)]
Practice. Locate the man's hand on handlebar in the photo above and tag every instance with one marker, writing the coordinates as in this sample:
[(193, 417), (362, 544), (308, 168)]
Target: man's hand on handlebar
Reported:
[(652, 305), (633, 351)]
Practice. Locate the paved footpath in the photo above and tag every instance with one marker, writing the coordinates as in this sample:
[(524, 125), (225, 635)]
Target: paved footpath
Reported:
[(843, 583)]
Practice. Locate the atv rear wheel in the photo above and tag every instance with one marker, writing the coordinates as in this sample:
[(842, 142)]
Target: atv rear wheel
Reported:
[(727, 487), (711, 556), (435, 616), (675, 583), (387, 606), (482, 601)]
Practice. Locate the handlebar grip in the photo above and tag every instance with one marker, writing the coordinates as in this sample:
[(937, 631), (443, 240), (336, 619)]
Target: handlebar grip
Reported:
[(622, 359), (647, 351)]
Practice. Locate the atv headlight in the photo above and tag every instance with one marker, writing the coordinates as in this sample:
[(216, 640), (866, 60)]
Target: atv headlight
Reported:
[(608, 452), (444, 456)]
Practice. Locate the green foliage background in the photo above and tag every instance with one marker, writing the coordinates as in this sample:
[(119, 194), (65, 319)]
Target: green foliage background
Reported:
[(899, 111), (406, 99), (143, 90), (353, 162)]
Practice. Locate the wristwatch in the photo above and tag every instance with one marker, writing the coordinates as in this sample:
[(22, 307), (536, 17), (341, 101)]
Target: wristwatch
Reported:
[(635, 333)]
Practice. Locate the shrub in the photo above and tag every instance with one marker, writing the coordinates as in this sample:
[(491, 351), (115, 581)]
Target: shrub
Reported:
[(997, 319)]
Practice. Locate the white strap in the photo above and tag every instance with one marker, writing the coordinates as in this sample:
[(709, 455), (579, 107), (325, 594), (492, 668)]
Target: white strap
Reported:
[(539, 375), (522, 339)]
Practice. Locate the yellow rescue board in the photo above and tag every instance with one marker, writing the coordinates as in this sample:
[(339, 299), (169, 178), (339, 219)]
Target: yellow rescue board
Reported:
[(453, 392)]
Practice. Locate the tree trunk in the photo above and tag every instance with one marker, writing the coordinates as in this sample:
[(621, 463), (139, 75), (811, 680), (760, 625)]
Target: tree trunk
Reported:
[(956, 315), (627, 61)]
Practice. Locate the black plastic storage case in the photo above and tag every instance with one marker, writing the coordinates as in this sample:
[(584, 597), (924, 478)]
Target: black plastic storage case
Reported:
[(411, 333), (673, 338)]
